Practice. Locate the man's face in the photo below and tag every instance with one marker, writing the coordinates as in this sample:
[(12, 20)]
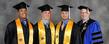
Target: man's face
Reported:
[(22, 13), (46, 15), (84, 13), (64, 14)]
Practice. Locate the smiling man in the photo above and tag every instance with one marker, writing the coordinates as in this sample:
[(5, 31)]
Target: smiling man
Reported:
[(45, 30), (90, 29), (66, 29), (20, 30)]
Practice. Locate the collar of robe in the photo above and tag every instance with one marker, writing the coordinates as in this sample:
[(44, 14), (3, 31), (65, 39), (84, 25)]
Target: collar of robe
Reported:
[(20, 35), (45, 22), (65, 22)]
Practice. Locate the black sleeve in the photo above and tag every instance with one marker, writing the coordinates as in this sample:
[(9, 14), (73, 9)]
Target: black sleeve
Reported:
[(36, 34), (8, 34), (76, 38)]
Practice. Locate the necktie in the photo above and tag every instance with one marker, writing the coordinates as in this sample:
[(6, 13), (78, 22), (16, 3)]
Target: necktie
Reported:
[(84, 27), (25, 23), (47, 25)]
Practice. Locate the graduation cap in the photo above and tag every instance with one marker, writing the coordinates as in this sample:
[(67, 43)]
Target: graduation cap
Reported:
[(45, 7), (84, 7), (20, 5), (65, 7)]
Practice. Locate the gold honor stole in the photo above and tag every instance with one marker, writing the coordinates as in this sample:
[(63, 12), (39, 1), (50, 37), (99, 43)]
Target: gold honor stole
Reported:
[(20, 35), (42, 33), (67, 35)]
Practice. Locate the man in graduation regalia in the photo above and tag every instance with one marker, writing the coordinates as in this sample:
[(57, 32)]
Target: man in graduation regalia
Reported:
[(66, 29), (20, 30), (45, 30), (90, 29)]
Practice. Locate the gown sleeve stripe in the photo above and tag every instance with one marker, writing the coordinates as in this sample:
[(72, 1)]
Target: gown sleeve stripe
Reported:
[(99, 37), (98, 41), (95, 33)]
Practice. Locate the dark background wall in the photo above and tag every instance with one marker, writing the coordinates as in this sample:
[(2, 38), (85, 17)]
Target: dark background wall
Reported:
[(100, 12)]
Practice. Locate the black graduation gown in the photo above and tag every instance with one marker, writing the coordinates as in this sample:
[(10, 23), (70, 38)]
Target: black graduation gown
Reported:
[(11, 33), (48, 34), (75, 36)]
